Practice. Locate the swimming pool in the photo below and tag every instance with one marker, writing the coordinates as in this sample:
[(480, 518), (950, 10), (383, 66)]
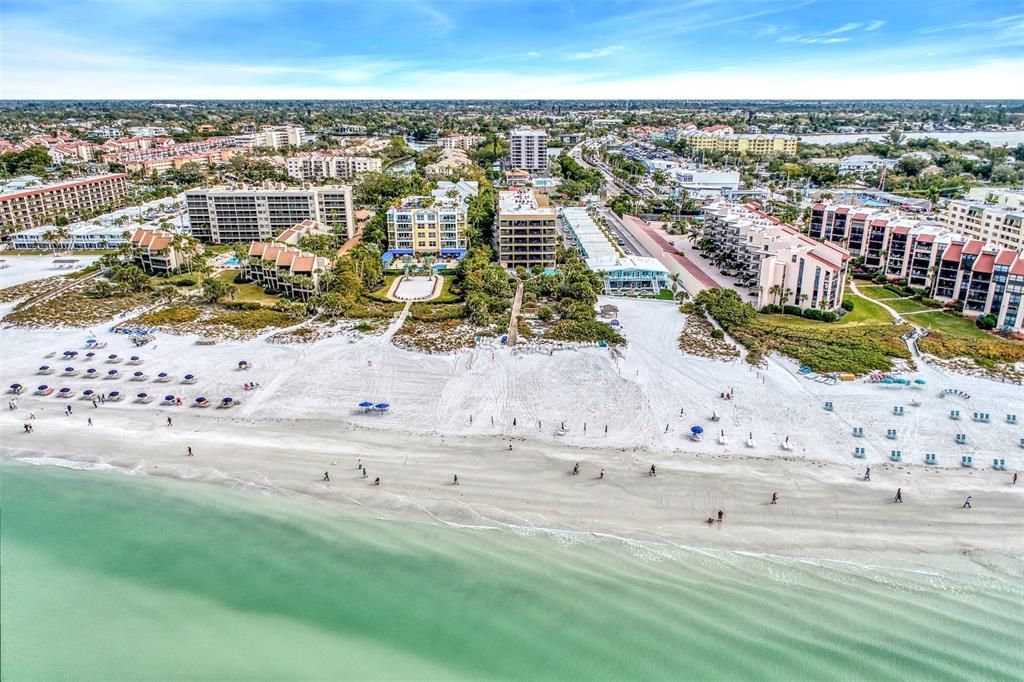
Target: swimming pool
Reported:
[(233, 262)]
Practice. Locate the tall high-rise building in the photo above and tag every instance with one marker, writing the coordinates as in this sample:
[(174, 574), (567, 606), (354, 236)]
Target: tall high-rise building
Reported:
[(526, 230), (432, 224), (528, 149), (247, 214)]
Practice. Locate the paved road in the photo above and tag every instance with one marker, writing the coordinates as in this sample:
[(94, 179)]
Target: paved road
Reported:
[(617, 229)]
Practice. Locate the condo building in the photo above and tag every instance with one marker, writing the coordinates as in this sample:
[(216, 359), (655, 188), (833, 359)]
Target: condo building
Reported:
[(156, 251), (528, 149), (755, 145), (776, 261), (317, 165), (985, 277), (463, 142), (1000, 223), (276, 137), (71, 199), (527, 235), (228, 214), (434, 224)]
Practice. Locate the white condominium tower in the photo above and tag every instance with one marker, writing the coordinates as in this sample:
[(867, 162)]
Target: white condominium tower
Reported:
[(247, 214), (528, 148)]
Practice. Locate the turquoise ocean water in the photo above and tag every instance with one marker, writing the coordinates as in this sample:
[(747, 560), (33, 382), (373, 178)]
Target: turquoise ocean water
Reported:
[(109, 577)]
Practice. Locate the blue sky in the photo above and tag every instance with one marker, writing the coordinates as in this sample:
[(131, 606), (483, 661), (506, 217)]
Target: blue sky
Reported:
[(511, 49)]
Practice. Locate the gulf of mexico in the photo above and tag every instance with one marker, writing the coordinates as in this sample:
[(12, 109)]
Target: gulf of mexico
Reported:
[(109, 577)]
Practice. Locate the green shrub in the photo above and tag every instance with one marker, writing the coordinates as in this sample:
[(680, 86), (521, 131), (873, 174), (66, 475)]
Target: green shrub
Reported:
[(179, 314), (986, 322), (829, 316), (584, 331), (726, 307), (812, 313), (242, 305), (792, 310), (717, 334), (848, 304), (545, 313), (184, 282), (771, 309)]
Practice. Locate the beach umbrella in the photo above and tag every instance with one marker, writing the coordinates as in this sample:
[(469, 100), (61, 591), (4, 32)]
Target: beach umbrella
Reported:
[(382, 406), (70, 353), (243, 363), (112, 373), (134, 357), (888, 380), (161, 375), (91, 370), (90, 355), (88, 391), (137, 374), (920, 382), (190, 376), (200, 399), (169, 398), (42, 388), (112, 357), (15, 386), (228, 400), (696, 430), (64, 390), (113, 394), (43, 368), (366, 404), (142, 395), (90, 342), (69, 369)]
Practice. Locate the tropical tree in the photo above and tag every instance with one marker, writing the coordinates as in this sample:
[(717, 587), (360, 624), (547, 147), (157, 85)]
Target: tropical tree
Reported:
[(215, 289)]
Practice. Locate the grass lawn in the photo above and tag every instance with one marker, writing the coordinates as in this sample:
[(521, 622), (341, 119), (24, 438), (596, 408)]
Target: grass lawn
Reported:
[(908, 305), (865, 312), (874, 291), (382, 293), (249, 292), (446, 295), (949, 323)]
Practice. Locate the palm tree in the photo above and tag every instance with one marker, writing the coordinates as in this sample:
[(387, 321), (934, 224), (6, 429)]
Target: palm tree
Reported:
[(786, 293), (802, 298), (428, 263), (50, 236), (675, 278), (775, 291)]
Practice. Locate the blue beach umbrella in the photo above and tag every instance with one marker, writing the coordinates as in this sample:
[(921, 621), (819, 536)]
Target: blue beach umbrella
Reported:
[(382, 406), (696, 430)]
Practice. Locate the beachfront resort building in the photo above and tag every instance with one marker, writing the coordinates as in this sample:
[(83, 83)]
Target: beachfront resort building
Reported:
[(776, 261), (1000, 223), (316, 165), (32, 206), (528, 149), (48, 237), (160, 252), (276, 137), (226, 214), (985, 277), (527, 235), (281, 266), (434, 224), (623, 275)]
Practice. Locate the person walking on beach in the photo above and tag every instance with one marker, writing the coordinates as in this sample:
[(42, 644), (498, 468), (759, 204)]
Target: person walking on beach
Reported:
[(31, 415), (327, 477), (510, 447), (576, 469), (359, 464), (601, 475), (455, 479), (28, 428), (721, 515), (775, 498), (653, 471), (899, 495), (90, 421), (1014, 478), (377, 481), (364, 472), (189, 451), (169, 422), (967, 503), (867, 474)]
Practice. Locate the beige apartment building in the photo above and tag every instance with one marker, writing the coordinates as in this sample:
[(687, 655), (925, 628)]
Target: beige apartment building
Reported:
[(226, 214), (526, 234), (1001, 224), (317, 165), (71, 199), (155, 251), (434, 224), (463, 142), (755, 145), (276, 137)]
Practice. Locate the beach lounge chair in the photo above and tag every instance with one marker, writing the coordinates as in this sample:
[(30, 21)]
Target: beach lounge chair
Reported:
[(999, 464), (143, 398), (139, 376), (1021, 442), (1011, 419), (134, 360), (115, 396), (954, 414), (751, 443), (961, 438), (189, 379), (44, 390), (66, 393), (714, 416), (828, 406), (860, 453), (898, 410), (163, 377), (16, 389), (69, 372), (112, 374), (895, 455), (967, 461), (114, 358), (858, 431), (722, 440), (890, 434), (786, 445), (930, 458)]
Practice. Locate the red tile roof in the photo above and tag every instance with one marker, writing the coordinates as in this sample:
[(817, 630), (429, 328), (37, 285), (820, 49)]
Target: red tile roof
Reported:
[(1005, 257), (842, 211), (984, 263), (953, 252), (1018, 268), (879, 223), (256, 249), (901, 230), (925, 238), (858, 216), (974, 247), (303, 263)]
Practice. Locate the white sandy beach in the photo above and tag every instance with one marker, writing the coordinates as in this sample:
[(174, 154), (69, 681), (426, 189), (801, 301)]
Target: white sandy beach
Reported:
[(304, 420)]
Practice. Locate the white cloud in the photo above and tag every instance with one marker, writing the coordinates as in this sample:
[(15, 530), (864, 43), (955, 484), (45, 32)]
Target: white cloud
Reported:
[(595, 54), (874, 25)]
